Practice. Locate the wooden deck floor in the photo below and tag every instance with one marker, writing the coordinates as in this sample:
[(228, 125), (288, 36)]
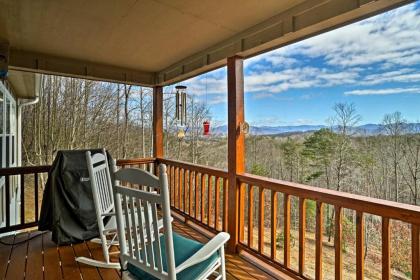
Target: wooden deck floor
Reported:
[(40, 258)]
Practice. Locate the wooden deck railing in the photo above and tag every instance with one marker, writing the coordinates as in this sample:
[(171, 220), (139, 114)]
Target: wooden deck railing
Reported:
[(199, 194), (362, 205), (21, 176)]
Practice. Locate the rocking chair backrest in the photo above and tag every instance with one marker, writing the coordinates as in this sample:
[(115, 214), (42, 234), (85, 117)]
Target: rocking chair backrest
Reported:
[(100, 178), (137, 222)]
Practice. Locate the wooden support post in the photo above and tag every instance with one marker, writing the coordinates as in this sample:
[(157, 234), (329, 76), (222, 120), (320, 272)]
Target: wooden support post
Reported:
[(236, 145), (157, 122)]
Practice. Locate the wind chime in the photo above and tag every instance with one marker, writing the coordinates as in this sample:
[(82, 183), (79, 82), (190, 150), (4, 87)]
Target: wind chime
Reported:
[(181, 109), (206, 123)]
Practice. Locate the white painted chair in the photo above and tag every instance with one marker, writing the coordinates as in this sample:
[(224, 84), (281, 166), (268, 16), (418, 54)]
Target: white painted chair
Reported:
[(149, 253), (101, 183)]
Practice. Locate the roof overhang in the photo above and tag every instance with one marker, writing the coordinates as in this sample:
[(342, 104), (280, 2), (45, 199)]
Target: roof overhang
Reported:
[(25, 85), (159, 42)]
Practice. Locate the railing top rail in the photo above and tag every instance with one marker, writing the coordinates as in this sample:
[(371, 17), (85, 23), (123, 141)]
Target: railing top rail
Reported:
[(195, 167), (394, 210), (24, 170), (132, 161)]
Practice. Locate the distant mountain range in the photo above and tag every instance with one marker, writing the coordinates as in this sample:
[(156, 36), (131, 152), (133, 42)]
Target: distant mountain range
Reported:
[(366, 129)]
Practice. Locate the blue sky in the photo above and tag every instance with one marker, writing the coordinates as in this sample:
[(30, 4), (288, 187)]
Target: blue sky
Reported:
[(374, 64)]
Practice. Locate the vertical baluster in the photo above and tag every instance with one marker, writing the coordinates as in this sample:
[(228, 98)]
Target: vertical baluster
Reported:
[(241, 221), (171, 184), (273, 225), (261, 221), (7, 186), (318, 240), (415, 254), (196, 195), (185, 184), (209, 199), (203, 177), (360, 236), (225, 204), (216, 202), (386, 252), (175, 186), (337, 242), (22, 198), (302, 233), (250, 216), (180, 171), (286, 236), (190, 196), (36, 197)]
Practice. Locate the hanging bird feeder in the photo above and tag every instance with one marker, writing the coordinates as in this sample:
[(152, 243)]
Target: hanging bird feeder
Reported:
[(206, 128), (181, 104)]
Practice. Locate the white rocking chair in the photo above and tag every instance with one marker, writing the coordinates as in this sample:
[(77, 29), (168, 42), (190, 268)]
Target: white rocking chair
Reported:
[(100, 179), (145, 253)]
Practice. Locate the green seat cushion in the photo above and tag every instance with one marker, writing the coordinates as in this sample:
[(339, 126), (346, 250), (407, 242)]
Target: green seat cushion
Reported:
[(184, 248)]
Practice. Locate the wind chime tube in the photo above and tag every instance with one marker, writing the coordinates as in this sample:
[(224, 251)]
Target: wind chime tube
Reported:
[(184, 106), (181, 107), (177, 106)]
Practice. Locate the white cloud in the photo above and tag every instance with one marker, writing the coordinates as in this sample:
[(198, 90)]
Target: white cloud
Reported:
[(297, 78), (387, 91), (388, 38)]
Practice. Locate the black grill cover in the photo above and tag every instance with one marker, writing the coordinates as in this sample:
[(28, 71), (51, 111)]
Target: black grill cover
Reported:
[(68, 208)]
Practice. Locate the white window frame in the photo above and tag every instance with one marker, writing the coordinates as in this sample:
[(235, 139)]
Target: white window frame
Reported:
[(12, 156)]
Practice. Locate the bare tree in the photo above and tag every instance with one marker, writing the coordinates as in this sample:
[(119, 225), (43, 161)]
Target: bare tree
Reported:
[(394, 126)]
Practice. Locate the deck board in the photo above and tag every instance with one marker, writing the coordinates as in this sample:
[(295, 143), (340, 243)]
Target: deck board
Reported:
[(16, 269), (51, 259), (35, 261), (87, 271), (47, 261), (96, 252), (69, 266), (5, 252)]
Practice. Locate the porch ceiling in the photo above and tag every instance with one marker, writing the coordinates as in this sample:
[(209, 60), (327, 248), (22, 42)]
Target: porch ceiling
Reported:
[(151, 42)]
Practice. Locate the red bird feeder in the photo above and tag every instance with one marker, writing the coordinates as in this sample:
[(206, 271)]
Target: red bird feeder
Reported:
[(206, 128)]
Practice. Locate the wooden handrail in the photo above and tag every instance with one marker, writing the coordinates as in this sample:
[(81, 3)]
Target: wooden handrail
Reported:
[(194, 167), (134, 161), (24, 170), (385, 208)]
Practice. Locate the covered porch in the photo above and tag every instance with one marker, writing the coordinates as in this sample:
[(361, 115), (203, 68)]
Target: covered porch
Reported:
[(204, 200)]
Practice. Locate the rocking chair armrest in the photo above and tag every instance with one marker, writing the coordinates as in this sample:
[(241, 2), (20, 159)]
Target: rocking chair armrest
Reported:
[(205, 252), (108, 214)]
